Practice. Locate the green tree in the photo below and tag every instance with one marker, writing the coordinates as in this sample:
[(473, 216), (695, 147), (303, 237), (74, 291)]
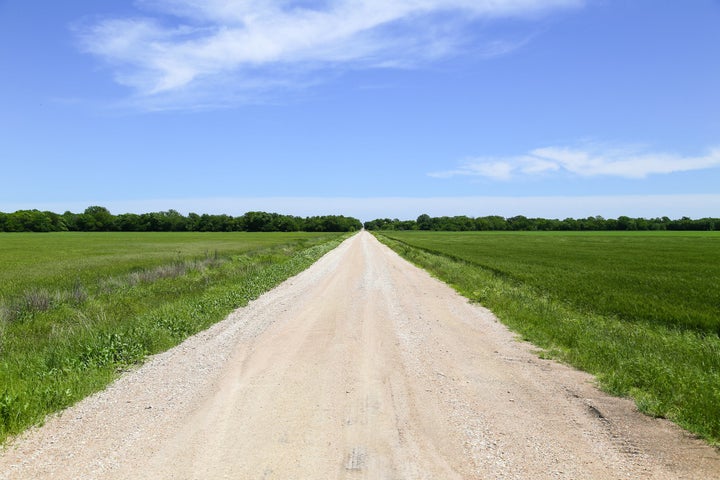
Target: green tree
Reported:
[(626, 223), (257, 221), (424, 222), (98, 219), (519, 222), (129, 222)]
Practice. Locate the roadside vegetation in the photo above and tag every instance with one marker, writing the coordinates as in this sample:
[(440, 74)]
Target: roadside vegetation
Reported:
[(640, 311), (78, 308)]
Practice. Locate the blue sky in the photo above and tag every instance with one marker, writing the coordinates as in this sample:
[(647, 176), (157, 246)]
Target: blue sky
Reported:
[(370, 108)]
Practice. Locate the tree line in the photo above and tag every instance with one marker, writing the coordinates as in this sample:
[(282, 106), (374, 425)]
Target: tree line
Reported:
[(522, 223), (99, 219)]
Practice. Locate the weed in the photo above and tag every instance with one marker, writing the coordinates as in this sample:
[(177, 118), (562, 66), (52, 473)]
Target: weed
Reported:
[(37, 300), (3, 328), (111, 348), (6, 314), (78, 293)]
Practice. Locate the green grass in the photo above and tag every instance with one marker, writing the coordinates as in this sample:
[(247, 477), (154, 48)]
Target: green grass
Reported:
[(639, 311), (669, 278), (52, 260), (69, 326)]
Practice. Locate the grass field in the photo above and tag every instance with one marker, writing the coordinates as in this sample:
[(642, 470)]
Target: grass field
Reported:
[(77, 308), (58, 260), (641, 311)]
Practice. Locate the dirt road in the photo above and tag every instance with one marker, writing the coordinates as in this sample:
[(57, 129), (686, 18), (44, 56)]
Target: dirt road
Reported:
[(361, 367)]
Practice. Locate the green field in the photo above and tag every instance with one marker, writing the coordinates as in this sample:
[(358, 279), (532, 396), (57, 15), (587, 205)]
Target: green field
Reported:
[(641, 311), (77, 308), (57, 260)]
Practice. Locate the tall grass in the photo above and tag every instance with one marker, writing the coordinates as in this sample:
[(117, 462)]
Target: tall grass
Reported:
[(70, 341), (671, 369)]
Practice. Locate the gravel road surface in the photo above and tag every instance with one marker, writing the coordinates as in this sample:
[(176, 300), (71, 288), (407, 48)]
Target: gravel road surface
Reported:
[(363, 366)]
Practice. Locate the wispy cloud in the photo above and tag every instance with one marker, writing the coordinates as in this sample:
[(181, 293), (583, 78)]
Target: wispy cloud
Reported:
[(198, 45), (625, 163)]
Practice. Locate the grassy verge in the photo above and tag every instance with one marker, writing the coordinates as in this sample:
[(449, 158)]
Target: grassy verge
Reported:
[(670, 371), (69, 344)]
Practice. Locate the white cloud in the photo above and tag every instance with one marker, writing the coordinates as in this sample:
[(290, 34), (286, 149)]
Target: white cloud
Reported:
[(584, 163), (501, 170), (194, 44)]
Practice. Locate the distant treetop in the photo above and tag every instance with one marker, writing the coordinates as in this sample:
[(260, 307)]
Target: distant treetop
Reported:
[(99, 219), (522, 223)]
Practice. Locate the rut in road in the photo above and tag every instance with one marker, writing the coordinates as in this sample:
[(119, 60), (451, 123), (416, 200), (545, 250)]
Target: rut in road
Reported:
[(363, 366)]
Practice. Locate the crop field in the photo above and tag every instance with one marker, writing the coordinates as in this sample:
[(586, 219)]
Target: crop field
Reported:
[(641, 311), (77, 308)]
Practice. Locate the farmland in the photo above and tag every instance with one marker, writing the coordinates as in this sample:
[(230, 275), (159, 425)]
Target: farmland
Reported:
[(58, 260), (641, 311), (77, 308)]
